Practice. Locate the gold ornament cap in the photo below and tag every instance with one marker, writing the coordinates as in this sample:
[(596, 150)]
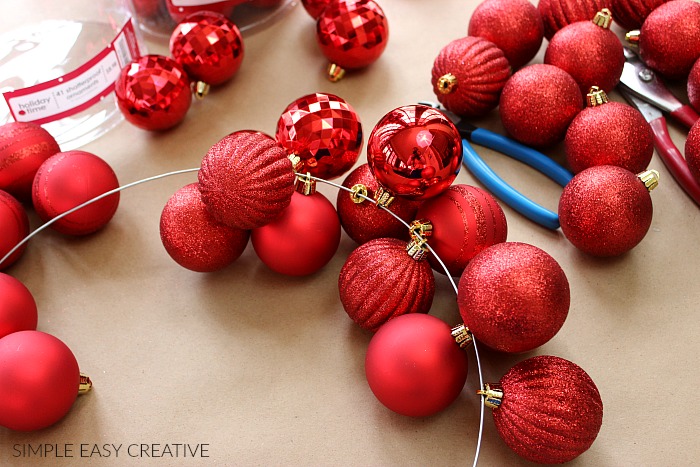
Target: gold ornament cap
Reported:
[(417, 248), (603, 18), (200, 89), (383, 198), (305, 184), (297, 164), (596, 96), (650, 178), (358, 193), (462, 336), (632, 38), (492, 394), (421, 228), (446, 83), (334, 73), (85, 384)]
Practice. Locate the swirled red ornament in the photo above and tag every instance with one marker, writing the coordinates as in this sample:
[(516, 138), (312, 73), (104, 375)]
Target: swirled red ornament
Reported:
[(630, 14), (557, 14)]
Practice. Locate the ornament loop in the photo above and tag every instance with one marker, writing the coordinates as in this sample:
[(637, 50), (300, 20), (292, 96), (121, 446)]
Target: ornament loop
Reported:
[(462, 336), (650, 178), (603, 18), (85, 384), (492, 394), (358, 193), (383, 197), (596, 96), (447, 83)]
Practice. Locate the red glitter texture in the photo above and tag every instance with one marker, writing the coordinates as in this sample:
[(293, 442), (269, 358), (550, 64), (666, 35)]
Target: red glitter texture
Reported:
[(481, 70), (694, 85), (692, 150), (14, 226), (246, 180), (559, 13), (630, 14), (178, 13), (513, 297), (315, 7), (17, 308), (551, 410), (379, 281)]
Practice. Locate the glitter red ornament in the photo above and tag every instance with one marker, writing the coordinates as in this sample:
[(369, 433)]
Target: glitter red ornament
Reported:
[(14, 226), (630, 14), (694, 85), (692, 151), (179, 10), (557, 14), (468, 76), (17, 307), (315, 7)]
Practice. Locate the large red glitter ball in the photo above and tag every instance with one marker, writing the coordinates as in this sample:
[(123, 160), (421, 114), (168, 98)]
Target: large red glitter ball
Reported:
[(380, 281), (605, 211), (324, 131), (208, 46), (14, 226), (465, 220), (468, 76), (39, 380), (694, 85), (302, 240), (551, 410), (538, 103), (515, 26), (415, 151), (179, 10), (557, 14), (630, 14), (153, 92), (246, 180), (513, 297), (193, 238), (315, 7), (17, 307), (23, 148), (352, 33), (414, 366), (67, 180), (692, 150)]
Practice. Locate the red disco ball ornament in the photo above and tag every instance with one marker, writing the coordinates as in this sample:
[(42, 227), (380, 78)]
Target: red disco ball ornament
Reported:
[(14, 227), (692, 151), (315, 7), (557, 14), (694, 85), (181, 9), (630, 14), (17, 307)]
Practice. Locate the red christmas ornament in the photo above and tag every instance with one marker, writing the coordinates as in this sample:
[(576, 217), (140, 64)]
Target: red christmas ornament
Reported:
[(550, 410), (692, 151), (515, 26), (17, 307), (23, 148), (468, 76), (608, 133), (324, 131), (414, 366), (246, 180), (179, 9), (630, 14), (303, 239), (513, 297), (380, 281), (363, 220), (39, 380), (67, 180), (14, 226), (538, 103), (694, 85), (265, 3), (153, 92), (146, 8), (465, 221), (559, 13), (415, 151), (606, 210), (315, 7)]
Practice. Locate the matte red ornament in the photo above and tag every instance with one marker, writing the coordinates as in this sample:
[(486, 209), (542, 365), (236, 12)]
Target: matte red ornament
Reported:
[(246, 180), (559, 13), (692, 151), (415, 151), (551, 411), (414, 366), (513, 297), (315, 7), (515, 26), (694, 85), (17, 307), (538, 103), (605, 210), (67, 180), (39, 380), (324, 131), (302, 240), (380, 281), (23, 148), (365, 221), (153, 92), (178, 12), (468, 76), (630, 14), (14, 226)]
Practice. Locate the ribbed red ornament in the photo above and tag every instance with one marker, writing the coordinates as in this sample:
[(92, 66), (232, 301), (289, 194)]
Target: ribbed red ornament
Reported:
[(178, 12), (246, 180), (551, 410), (694, 85), (315, 7), (630, 14), (14, 226), (17, 307), (559, 13), (692, 150), (468, 76), (380, 281)]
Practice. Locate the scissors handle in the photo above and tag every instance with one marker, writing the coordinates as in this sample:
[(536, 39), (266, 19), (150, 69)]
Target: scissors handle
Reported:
[(686, 115)]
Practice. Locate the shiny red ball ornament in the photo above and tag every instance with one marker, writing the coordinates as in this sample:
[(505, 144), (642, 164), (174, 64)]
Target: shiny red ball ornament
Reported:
[(315, 7), (515, 26), (466, 220), (538, 103), (302, 240), (39, 380), (246, 180), (557, 14), (14, 226), (694, 85), (414, 366), (324, 131), (468, 76), (692, 151), (17, 307), (67, 180), (180, 9), (551, 410), (23, 148), (193, 238), (153, 92), (380, 281), (605, 210), (415, 151), (630, 14), (513, 297)]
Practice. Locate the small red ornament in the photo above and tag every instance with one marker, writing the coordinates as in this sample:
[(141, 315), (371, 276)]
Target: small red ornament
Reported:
[(67, 180), (538, 103), (630, 14), (246, 180), (324, 131), (39, 380), (315, 7), (559, 13), (694, 85), (17, 307), (302, 240), (513, 297), (692, 151), (515, 26), (153, 92), (179, 10), (415, 151), (468, 76), (14, 226), (414, 366), (550, 412), (606, 210), (380, 281)]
